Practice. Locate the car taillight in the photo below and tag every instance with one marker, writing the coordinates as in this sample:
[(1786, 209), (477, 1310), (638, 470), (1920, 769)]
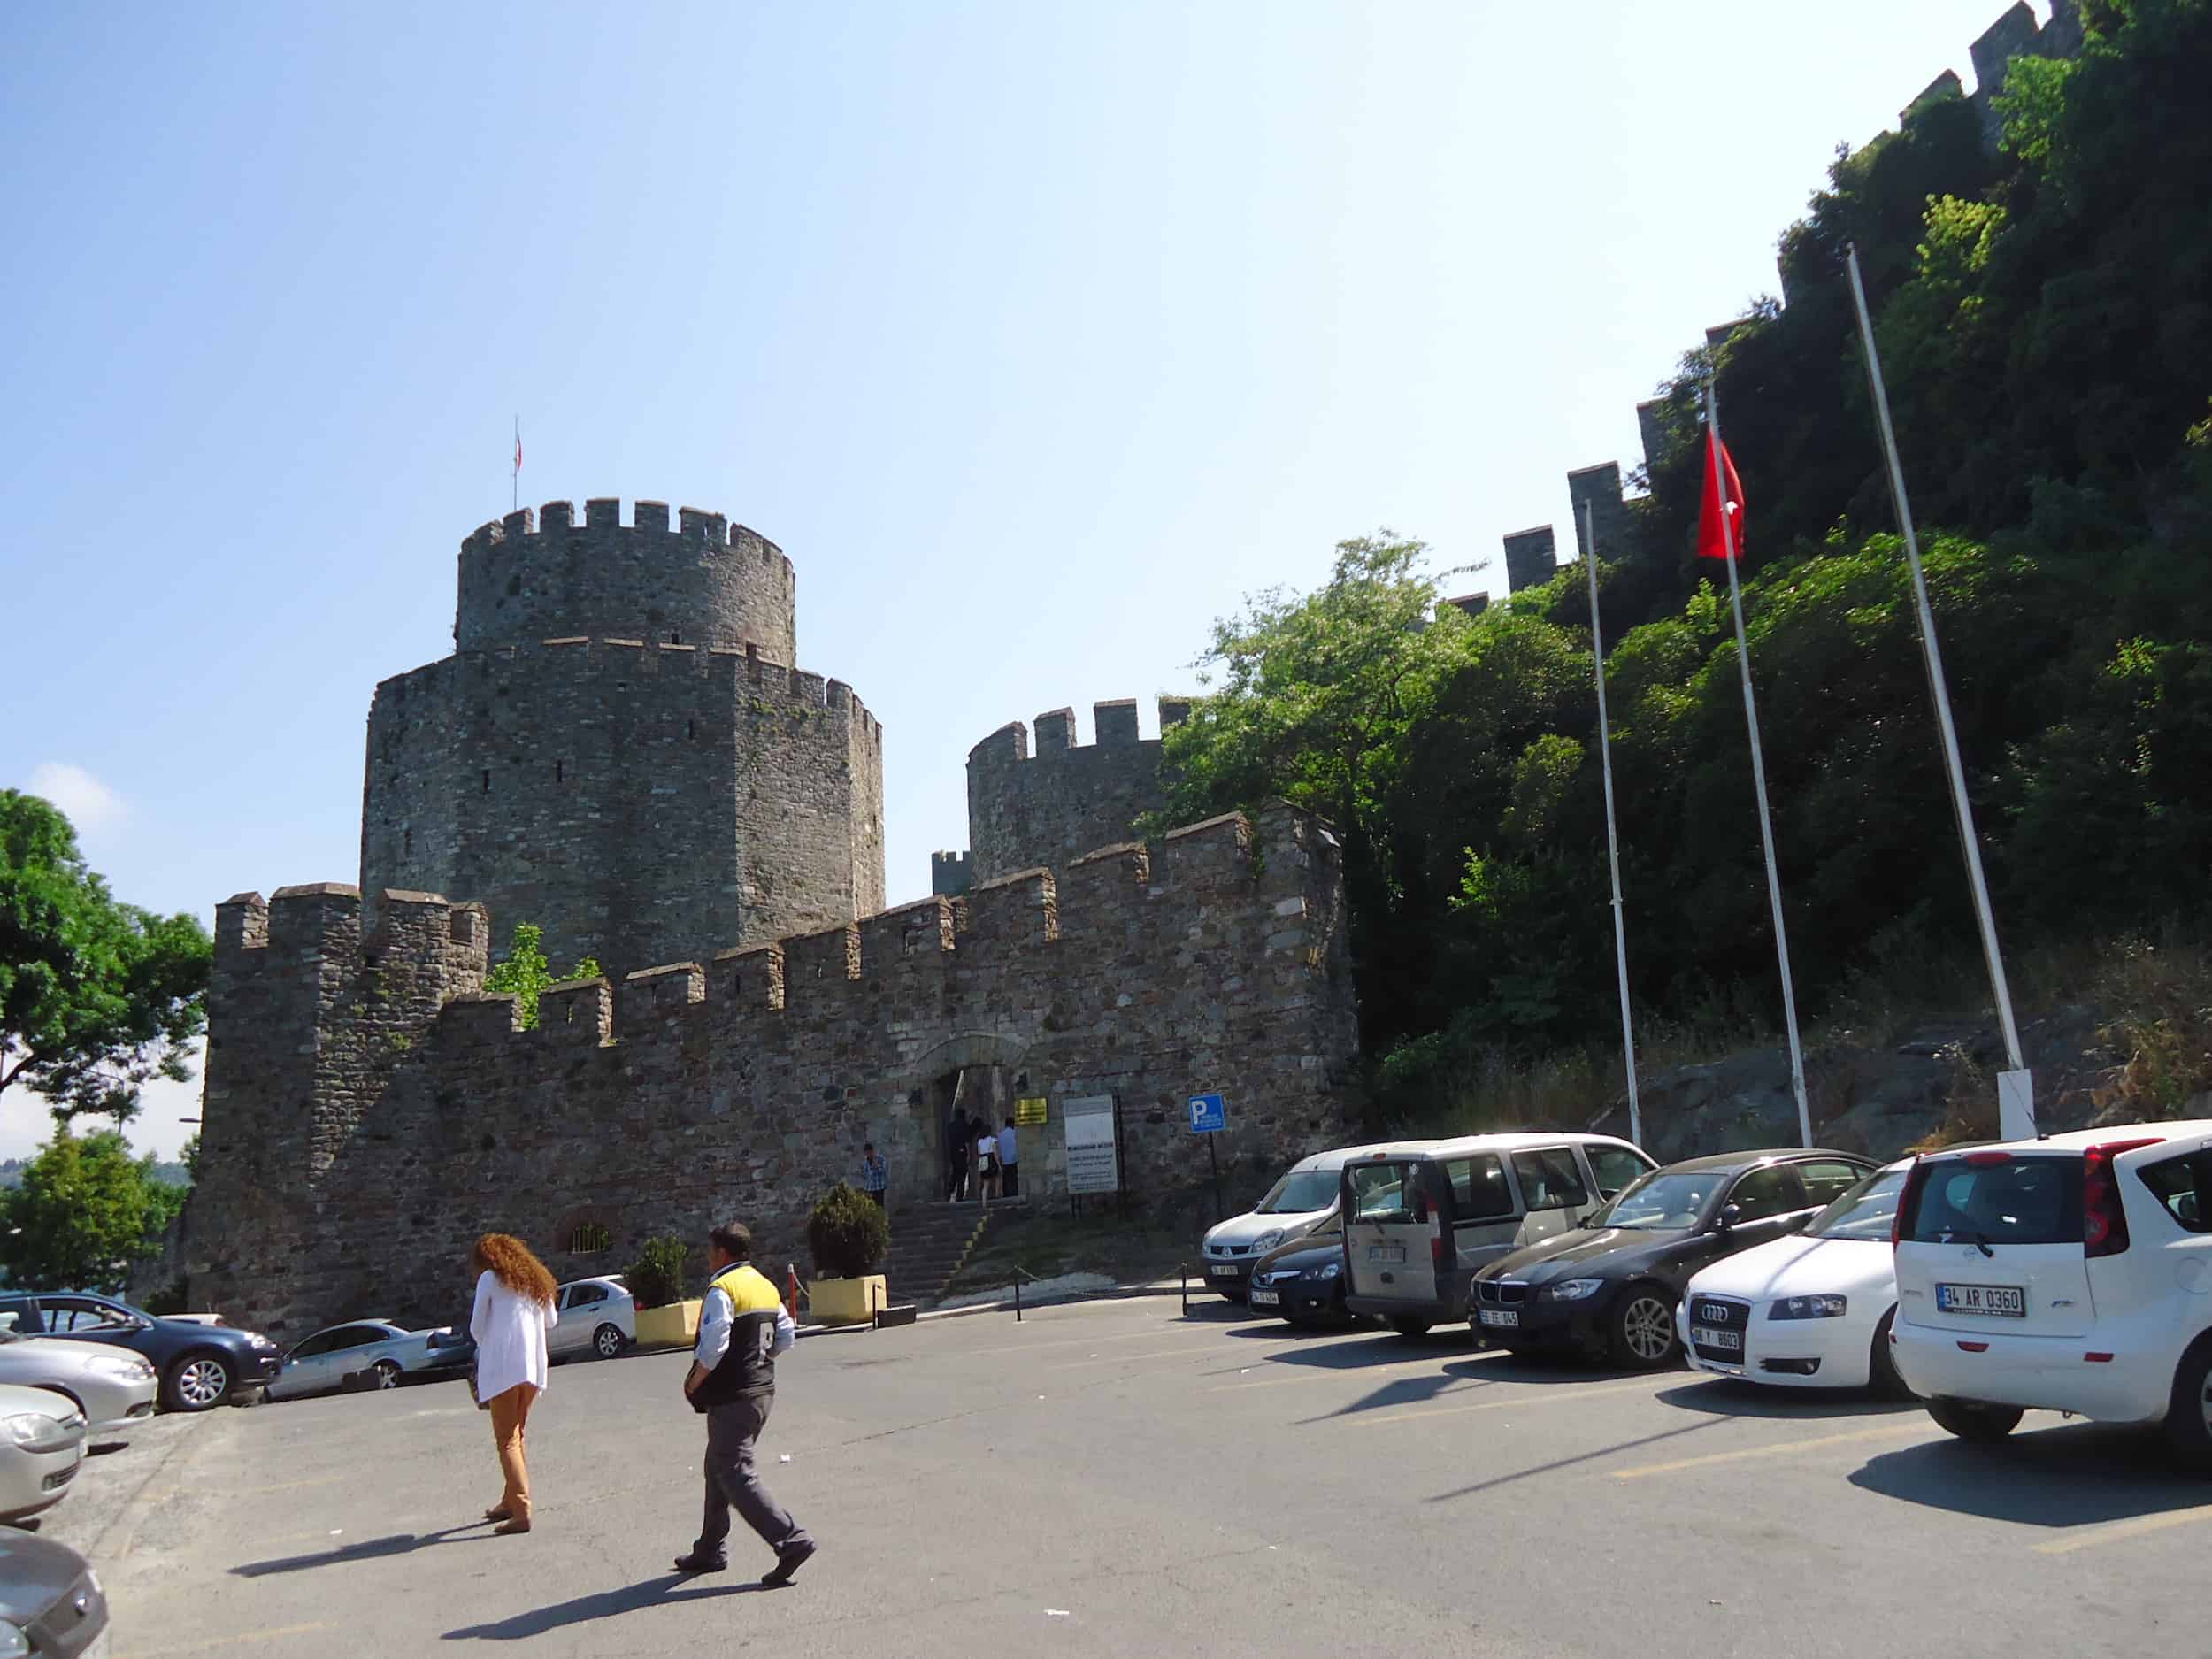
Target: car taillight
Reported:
[(2104, 1223), (1907, 1198), (1982, 1160)]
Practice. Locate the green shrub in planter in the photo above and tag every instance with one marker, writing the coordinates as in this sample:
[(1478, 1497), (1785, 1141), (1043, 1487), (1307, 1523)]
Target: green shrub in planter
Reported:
[(848, 1234), (656, 1277)]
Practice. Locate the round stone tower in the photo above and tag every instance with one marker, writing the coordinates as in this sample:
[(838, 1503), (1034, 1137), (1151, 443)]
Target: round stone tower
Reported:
[(621, 750)]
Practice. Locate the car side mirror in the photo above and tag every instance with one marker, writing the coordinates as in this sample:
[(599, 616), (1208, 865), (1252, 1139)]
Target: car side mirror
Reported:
[(1728, 1216), (1798, 1222)]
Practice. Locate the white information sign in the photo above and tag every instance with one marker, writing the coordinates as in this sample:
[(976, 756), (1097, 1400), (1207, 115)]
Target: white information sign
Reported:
[(1094, 1156)]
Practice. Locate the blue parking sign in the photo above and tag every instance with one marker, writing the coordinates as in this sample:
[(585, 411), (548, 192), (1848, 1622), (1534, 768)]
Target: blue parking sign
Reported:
[(1208, 1114)]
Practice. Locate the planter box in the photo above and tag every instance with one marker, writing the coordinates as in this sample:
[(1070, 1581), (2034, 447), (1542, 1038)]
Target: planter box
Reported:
[(847, 1301), (676, 1325)]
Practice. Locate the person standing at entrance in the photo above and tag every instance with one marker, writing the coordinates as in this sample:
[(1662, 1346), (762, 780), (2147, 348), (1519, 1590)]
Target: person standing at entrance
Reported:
[(742, 1327), (985, 1160), (1008, 1154), (513, 1311), (959, 1148), (875, 1174)]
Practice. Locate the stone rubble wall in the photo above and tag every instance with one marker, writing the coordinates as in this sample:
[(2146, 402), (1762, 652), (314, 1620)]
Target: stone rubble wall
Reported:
[(1027, 810)]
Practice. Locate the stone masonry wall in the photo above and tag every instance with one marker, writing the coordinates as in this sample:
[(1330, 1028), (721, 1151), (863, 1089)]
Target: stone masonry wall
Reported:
[(369, 1111), (1026, 811)]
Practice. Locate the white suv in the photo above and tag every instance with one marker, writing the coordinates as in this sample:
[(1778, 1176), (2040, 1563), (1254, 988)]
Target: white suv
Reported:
[(2067, 1274)]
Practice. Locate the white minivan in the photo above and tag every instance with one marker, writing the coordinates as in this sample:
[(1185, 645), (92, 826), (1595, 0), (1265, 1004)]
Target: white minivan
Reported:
[(1419, 1220), (1303, 1200), (2073, 1273)]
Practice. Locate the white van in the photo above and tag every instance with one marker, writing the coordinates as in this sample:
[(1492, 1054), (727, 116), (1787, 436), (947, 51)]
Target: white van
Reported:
[(1487, 1194), (1303, 1200)]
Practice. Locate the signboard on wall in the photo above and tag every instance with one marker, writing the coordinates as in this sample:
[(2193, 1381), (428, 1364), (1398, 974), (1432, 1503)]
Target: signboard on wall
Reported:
[(1029, 1111), (1094, 1143)]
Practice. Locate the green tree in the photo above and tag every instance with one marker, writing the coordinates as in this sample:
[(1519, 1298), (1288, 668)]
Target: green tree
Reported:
[(96, 997), (524, 972), (85, 1210)]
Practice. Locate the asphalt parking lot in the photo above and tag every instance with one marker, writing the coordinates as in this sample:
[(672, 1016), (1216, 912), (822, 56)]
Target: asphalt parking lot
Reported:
[(1113, 1479)]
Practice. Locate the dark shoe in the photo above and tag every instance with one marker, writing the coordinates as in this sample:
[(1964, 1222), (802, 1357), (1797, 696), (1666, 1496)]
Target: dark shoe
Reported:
[(697, 1562), (788, 1562)]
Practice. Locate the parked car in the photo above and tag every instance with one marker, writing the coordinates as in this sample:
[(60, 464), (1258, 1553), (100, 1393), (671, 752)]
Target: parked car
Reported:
[(2067, 1274), (1609, 1287), (377, 1348), (1303, 1281), (41, 1444), (597, 1316), (51, 1604), (1303, 1201), (1420, 1222), (1811, 1310), (201, 1365), (112, 1390)]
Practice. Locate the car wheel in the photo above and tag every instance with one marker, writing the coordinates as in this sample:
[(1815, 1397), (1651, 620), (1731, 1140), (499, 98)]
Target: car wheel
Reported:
[(387, 1373), (1970, 1420), (2189, 1413), (1881, 1367), (1412, 1330), (1643, 1336), (606, 1341), (198, 1382)]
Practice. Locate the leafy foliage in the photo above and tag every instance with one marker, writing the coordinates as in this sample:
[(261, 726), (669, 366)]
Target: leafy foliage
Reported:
[(85, 1210), (848, 1234), (658, 1278), (523, 973), (96, 997)]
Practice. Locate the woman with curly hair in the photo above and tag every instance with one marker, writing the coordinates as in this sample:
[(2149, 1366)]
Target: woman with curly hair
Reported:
[(513, 1311)]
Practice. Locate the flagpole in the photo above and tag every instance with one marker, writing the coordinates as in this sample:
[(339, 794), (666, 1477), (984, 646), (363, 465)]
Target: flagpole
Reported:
[(1758, 774), (1612, 839), (2021, 1088), (514, 498)]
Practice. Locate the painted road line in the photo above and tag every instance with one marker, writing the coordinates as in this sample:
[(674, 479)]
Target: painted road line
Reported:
[(1558, 1394), (1185, 1352), (2120, 1531), (1780, 1448), (275, 1633), (1328, 1374), (288, 1486)]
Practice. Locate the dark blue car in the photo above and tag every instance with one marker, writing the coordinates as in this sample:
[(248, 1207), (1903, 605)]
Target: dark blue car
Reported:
[(201, 1365)]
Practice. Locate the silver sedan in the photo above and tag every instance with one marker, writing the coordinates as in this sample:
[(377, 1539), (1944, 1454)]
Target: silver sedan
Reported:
[(377, 1350), (113, 1388), (41, 1444)]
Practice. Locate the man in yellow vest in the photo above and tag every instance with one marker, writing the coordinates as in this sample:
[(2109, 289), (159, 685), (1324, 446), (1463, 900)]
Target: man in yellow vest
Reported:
[(742, 1327)]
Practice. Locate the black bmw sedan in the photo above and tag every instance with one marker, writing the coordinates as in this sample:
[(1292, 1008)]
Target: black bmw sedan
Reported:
[(1609, 1287)]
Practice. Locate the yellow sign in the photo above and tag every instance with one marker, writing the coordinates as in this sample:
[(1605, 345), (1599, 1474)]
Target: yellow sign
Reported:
[(1030, 1112)]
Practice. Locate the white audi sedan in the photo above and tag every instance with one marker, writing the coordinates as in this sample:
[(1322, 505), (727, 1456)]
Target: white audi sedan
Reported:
[(1810, 1311)]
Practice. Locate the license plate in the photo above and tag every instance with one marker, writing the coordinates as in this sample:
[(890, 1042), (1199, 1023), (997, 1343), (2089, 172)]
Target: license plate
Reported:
[(1501, 1318), (1392, 1255), (2003, 1302), (1705, 1336), (1223, 1273), (1266, 1299)]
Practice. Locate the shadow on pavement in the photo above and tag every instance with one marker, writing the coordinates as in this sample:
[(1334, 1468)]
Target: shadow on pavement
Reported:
[(1569, 1463), (368, 1549), (665, 1588), (1727, 1397), (2075, 1476)]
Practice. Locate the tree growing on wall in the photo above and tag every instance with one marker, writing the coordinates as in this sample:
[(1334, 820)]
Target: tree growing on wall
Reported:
[(523, 973), (85, 1210), (96, 997)]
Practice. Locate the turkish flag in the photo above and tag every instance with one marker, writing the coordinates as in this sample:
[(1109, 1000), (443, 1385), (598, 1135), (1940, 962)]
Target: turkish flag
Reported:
[(1710, 542)]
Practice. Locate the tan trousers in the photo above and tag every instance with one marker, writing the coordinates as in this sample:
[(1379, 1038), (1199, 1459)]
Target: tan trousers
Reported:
[(510, 1416)]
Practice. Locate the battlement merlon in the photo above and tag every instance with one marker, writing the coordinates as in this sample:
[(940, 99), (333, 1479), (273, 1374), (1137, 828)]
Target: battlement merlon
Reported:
[(1113, 725)]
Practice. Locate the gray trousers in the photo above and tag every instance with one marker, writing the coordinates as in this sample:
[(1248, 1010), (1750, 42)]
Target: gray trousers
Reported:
[(731, 1480)]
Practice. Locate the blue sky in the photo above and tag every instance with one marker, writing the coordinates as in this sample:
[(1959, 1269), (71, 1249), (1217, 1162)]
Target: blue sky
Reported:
[(1036, 335)]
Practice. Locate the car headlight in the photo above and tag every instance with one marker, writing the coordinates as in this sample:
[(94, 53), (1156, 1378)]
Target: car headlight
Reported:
[(1267, 1240), (13, 1643), (1807, 1308), (1572, 1290), (258, 1340), (1327, 1270), (129, 1367), (35, 1431)]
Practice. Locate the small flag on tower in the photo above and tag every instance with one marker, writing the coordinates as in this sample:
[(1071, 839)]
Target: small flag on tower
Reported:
[(1715, 539)]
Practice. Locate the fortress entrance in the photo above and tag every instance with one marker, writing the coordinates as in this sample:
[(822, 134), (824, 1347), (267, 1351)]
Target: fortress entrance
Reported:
[(975, 1075)]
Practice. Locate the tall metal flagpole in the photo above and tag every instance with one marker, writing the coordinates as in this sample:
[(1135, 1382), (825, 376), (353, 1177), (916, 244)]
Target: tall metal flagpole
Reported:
[(2015, 1094), (1612, 839), (514, 498), (1759, 774)]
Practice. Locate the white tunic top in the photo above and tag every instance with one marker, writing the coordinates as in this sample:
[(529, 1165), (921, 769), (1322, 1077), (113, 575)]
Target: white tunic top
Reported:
[(510, 1333)]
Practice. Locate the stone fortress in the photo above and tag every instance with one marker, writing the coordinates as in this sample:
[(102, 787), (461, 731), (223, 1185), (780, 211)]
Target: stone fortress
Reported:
[(621, 752)]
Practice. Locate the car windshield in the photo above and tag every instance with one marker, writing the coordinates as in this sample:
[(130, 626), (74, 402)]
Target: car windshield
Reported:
[(1665, 1198), (1299, 1193), (1865, 1211)]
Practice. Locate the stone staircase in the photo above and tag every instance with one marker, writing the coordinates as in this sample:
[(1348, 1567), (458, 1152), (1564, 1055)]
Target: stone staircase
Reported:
[(931, 1242)]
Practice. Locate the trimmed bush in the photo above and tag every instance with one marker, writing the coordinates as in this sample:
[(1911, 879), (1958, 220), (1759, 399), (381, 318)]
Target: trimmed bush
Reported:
[(656, 1277), (848, 1234)]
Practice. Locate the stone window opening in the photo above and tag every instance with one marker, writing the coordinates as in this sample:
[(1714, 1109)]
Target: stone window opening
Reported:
[(560, 772), (407, 843), (691, 728), (487, 781), (589, 1238), (675, 638)]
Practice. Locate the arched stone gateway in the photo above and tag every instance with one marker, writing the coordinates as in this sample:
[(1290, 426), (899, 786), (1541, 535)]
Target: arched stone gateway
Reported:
[(975, 1072)]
